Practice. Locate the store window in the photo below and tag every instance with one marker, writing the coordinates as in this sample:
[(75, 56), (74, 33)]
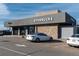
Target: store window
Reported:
[(15, 32), (22, 31), (31, 29)]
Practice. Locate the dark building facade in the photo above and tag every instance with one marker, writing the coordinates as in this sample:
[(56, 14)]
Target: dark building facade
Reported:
[(52, 24)]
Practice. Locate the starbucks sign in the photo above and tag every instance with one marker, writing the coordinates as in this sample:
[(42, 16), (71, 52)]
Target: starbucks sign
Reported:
[(44, 19)]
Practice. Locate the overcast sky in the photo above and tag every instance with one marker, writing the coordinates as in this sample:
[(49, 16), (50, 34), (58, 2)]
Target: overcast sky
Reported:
[(18, 11)]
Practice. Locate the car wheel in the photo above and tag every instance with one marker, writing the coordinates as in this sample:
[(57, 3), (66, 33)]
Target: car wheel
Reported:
[(70, 45), (37, 40), (51, 39)]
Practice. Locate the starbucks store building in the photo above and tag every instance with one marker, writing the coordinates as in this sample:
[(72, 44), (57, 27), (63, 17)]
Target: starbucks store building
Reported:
[(57, 25)]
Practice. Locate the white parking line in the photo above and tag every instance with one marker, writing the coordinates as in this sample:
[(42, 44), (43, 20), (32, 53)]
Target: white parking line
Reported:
[(13, 50), (20, 45)]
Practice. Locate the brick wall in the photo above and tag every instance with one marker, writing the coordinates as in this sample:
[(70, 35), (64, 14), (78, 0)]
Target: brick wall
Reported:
[(49, 30)]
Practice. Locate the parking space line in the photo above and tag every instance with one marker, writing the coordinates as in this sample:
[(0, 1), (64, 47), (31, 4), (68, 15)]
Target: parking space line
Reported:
[(20, 45), (13, 50)]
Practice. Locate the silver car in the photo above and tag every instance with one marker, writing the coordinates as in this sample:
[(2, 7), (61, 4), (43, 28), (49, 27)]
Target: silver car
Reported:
[(38, 37)]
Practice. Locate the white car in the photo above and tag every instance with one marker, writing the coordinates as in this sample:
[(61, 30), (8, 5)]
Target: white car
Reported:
[(38, 37), (73, 40)]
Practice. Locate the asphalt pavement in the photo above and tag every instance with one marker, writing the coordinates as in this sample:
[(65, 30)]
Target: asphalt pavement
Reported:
[(18, 46)]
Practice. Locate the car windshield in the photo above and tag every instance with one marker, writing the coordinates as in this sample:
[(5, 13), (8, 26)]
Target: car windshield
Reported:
[(39, 34), (33, 34), (75, 35)]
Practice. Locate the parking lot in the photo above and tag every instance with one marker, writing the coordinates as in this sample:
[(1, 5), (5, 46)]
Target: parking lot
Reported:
[(17, 46)]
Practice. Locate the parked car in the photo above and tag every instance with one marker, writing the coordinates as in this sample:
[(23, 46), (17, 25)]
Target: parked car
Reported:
[(1, 33), (73, 40), (5, 32), (38, 37)]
